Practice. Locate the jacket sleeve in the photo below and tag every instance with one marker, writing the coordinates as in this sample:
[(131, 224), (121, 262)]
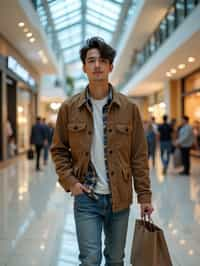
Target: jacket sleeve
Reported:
[(139, 160), (60, 151)]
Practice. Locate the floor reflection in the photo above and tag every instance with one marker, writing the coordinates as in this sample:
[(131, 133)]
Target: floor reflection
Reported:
[(37, 225)]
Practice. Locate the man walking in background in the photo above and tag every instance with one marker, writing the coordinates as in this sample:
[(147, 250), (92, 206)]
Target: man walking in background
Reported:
[(39, 139), (185, 141), (165, 136), (46, 144), (98, 146)]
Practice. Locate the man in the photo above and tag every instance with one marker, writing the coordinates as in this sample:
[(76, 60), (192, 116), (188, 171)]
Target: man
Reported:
[(185, 141), (46, 144), (39, 139), (98, 146), (165, 135)]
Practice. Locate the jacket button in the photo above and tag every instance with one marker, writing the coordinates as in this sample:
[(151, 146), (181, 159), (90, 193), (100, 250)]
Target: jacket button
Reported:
[(126, 129), (87, 153), (89, 132), (75, 127), (112, 173), (110, 130), (110, 151)]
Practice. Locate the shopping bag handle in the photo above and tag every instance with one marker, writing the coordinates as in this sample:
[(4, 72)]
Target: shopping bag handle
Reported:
[(148, 220)]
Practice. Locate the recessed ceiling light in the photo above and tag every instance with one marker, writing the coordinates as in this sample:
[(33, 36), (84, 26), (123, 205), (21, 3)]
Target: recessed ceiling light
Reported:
[(191, 59), (25, 30), (32, 40), (21, 24), (173, 71), (168, 74), (29, 34), (181, 66)]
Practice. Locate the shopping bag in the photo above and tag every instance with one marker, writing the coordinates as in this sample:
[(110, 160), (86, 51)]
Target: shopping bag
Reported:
[(149, 247), (177, 158), (30, 154)]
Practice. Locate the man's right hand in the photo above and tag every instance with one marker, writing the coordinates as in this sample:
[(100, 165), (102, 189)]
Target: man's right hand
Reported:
[(78, 189)]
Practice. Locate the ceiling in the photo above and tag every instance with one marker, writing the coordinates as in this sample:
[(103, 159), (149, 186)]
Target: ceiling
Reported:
[(182, 44), (74, 21), (157, 78), (13, 12)]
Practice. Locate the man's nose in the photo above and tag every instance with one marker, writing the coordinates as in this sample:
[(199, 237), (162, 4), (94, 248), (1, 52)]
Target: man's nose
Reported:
[(97, 63)]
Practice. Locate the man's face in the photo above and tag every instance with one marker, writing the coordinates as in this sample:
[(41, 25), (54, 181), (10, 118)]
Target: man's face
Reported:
[(96, 68)]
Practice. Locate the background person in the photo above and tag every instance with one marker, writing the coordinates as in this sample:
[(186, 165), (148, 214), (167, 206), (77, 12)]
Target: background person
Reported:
[(38, 138), (185, 141)]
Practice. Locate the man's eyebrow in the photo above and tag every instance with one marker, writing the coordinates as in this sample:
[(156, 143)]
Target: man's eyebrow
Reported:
[(93, 57)]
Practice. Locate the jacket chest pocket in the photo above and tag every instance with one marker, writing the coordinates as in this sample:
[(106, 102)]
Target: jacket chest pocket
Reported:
[(76, 134), (123, 134)]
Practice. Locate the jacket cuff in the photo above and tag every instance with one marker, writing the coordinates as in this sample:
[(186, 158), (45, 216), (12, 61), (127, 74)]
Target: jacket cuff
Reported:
[(144, 198), (68, 182)]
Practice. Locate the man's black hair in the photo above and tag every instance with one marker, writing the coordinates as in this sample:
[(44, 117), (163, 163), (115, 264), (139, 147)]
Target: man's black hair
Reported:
[(186, 118), (165, 118), (106, 51)]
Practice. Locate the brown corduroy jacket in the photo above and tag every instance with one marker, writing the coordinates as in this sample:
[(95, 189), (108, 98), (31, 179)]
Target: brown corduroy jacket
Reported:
[(127, 150)]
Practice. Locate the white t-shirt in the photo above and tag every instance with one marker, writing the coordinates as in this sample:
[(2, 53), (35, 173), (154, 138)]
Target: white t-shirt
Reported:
[(97, 148)]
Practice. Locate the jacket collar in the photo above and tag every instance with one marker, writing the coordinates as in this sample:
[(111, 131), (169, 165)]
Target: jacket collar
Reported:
[(84, 97)]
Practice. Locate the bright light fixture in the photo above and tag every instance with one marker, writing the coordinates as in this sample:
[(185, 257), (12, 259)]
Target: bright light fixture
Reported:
[(173, 71), (181, 66), (20, 109), (150, 109), (191, 59), (55, 106), (162, 105), (32, 40), (29, 34), (168, 74), (25, 30), (21, 24)]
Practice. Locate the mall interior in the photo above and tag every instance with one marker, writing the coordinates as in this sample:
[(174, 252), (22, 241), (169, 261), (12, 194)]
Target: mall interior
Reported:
[(157, 66)]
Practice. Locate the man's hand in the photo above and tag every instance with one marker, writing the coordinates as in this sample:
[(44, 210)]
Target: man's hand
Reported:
[(78, 188), (146, 209)]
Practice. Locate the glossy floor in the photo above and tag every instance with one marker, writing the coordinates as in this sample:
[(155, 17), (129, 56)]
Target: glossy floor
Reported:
[(37, 226)]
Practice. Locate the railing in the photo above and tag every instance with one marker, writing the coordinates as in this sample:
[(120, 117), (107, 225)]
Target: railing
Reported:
[(176, 14)]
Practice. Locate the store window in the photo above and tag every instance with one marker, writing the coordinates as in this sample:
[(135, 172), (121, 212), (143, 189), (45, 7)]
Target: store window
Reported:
[(163, 30), (192, 106), (157, 107), (23, 119), (190, 5), (180, 10), (171, 20)]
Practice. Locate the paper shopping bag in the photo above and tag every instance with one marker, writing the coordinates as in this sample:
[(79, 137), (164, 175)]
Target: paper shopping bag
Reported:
[(149, 247)]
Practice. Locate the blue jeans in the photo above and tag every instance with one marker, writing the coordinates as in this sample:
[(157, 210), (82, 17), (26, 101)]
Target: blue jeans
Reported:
[(165, 151), (91, 217), (46, 152)]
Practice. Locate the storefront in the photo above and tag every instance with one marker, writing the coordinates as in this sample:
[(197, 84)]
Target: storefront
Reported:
[(18, 95), (157, 106), (191, 104)]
